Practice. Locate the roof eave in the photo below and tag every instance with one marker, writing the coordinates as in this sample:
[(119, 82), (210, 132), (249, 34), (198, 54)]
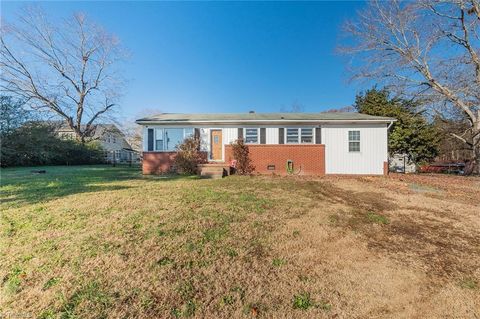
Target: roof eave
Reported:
[(259, 122)]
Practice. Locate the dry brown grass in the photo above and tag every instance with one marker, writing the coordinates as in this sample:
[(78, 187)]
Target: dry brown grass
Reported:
[(109, 243)]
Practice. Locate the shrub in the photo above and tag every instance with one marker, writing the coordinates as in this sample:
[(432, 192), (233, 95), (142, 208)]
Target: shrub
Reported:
[(242, 156), (36, 143), (189, 156)]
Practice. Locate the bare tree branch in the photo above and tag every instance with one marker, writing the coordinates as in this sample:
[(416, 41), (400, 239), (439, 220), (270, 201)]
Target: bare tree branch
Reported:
[(66, 68), (426, 49)]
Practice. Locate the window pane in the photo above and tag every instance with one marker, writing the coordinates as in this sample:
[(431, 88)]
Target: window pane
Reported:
[(354, 135), (354, 146), (251, 135), (173, 137), (292, 135), (159, 145), (159, 139), (307, 135), (188, 132)]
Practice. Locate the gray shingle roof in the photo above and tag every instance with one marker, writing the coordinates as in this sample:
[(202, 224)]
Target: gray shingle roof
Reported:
[(259, 117)]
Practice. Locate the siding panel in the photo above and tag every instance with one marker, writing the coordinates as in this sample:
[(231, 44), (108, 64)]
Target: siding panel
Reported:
[(373, 149), (229, 135), (271, 135)]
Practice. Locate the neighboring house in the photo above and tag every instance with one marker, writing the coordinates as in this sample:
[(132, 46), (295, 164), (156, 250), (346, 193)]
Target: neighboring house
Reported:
[(314, 143), (111, 139)]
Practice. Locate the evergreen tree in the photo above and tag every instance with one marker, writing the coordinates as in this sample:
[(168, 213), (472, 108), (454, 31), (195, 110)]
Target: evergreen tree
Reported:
[(411, 134)]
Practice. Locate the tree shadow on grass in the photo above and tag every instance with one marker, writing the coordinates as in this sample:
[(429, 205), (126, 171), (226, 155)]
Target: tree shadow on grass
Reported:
[(20, 186)]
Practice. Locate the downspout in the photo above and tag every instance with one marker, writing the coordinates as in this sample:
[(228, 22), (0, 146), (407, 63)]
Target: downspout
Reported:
[(388, 156), (389, 125)]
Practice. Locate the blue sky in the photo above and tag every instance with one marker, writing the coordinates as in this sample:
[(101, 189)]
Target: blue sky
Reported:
[(224, 57)]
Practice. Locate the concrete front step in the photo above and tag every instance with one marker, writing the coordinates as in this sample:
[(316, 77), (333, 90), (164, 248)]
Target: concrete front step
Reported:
[(213, 170), (211, 175)]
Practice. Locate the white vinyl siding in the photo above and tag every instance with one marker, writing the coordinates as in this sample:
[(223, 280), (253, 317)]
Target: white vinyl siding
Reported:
[(373, 149), (229, 135), (271, 135)]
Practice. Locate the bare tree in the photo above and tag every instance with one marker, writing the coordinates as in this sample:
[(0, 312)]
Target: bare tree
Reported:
[(344, 109), (67, 69), (295, 107), (424, 49)]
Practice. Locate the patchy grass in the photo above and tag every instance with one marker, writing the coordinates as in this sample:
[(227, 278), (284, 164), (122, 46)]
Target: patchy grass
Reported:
[(377, 218), (302, 301), (103, 242), (468, 283), (277, 262)]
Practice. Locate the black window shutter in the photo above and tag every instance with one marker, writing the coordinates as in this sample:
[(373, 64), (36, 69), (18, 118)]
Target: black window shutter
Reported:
[(196, 133), (281, 135), (318, 135), (150, 139), (263, 135), (240, 133)]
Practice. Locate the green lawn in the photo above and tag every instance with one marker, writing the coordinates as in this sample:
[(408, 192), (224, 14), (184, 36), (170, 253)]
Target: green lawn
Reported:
[(105, 242)]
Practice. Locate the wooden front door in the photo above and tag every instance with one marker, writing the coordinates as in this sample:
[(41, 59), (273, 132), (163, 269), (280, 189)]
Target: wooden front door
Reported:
[(216, 144)]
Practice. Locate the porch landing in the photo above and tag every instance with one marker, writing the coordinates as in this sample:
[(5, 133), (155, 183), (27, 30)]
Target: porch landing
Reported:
[(213, 170)]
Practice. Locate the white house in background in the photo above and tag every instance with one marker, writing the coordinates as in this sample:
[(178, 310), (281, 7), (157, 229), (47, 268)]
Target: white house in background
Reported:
[(306, 143), (112, 141)]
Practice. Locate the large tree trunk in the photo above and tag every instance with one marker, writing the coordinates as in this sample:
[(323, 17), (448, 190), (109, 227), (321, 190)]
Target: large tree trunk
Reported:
[(476, 154)]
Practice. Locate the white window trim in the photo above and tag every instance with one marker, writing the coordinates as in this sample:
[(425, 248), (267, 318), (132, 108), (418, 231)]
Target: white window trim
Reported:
[(245, 134), (359, 141), (300, 135)]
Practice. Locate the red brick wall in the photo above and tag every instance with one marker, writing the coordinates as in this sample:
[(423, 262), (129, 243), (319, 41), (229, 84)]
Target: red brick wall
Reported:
[(160, 162), (307, 159), (157, 162)]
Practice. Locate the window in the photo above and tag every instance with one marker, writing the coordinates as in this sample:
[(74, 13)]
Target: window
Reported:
[(167, 139), (306, 135), (292, 135), (354, 141), (159, 139), (251, 135), (172, 137), (188, 132), (299, 135)]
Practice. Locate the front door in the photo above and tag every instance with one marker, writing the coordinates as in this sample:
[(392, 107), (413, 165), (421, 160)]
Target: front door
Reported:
[(216, 144)]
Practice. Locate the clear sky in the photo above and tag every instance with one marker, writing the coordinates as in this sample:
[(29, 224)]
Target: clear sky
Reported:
[(224, 57)]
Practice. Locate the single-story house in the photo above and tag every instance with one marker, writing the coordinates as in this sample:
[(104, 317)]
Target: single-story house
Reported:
[(309, 143)]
